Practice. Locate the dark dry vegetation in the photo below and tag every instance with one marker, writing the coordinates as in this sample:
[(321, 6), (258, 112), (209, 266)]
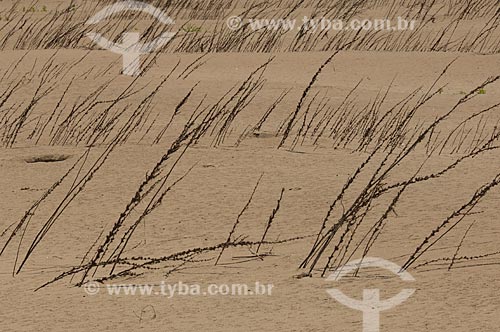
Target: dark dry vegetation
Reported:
[(442, 27), (391, 135)]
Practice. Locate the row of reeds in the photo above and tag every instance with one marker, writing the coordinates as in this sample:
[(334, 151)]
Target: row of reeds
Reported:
[(202, 26), (59, 112), (352, 224)]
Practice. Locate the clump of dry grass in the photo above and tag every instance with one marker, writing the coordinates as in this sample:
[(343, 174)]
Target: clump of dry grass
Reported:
[(64, 26), (388, 136), (339, 239)]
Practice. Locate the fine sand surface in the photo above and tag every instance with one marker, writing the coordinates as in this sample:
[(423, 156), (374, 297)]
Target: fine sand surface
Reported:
[(240, 156)]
